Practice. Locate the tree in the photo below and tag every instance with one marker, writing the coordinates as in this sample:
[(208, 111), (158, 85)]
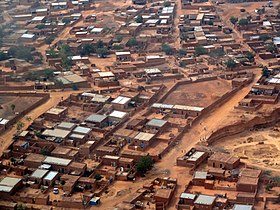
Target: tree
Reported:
[(271, 48), (64, 53), (144, 164), (13, 107), (139, 19), (66, 20), (199, 50), (49, 40), (75, 87), (250, 56), (219, 52), (99, 44), (21, 52), (98, 177), (87, 49), (118, 38), (20, 125), (210, 22), (21, 207), (264, 37), (167, 4), (265, 72), (52, 53), (233, 20), (117, 47), (59, 84), (182, 52), (132, 42), (3, 56), (102, 52), (167, 49), (40, 26), (45, 151), (28, 118), (230, 63), (243, 22)]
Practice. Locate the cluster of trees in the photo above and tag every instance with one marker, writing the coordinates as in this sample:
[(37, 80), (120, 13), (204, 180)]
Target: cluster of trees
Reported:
[(230, 63), (199, 50), (38, 75), (20, 52), (144, 164), (99, 49), (241, 21)]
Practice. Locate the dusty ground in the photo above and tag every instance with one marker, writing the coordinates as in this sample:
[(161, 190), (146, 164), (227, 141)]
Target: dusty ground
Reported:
[(167, 166), (258, 147), (6, 138), (21, 104), (199, 94)]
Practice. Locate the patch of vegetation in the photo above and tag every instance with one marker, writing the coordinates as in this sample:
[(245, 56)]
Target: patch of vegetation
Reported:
[(144, 164), (167, 49), (199, 50), (139, 19), (21, 52), (219, 52), (230, 63), (233, 20)]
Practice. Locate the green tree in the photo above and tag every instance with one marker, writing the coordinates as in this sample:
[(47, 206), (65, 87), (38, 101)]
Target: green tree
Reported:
[(210, 22), (265, 72), (264, 37), (64, 53), (13, 107), (230, 63), (233, 20), (75, 87), (132, 42), (139, 19), (59, 83), (52, 53), (21, 207), (102, 52), (182, 52), (28, 118), (144, 164), (40, 26), (167, 49), (3, 56), (21, 52), (66, 20), (167, 4), (117, 47), (20, 125), (49, 40), (250, 56), (243, 22), (118, 38), (98, 177), (87, 49), (271, 48), (99, 44), (45, 151), (219, 52), (199, 50)]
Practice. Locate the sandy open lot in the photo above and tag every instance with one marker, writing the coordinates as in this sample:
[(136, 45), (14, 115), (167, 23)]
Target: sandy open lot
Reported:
[(21, 104), (199, 94), (258, 147)]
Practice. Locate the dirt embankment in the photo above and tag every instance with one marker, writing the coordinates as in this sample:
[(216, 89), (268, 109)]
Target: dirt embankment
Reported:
[(241, 126)]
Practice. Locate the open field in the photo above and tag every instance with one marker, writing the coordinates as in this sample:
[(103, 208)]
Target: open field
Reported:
[(21, 104), (199, 94), (261, 147)]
